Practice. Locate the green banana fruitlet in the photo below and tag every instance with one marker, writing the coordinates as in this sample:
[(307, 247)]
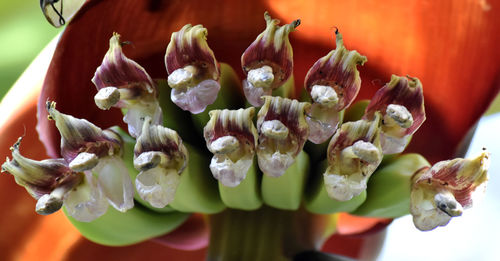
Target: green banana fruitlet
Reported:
[(120, 229), (389, 188), (285, 192), (287, 90), (245, 196), (175, 118), (356, 111), (317, 199), (197, 190)]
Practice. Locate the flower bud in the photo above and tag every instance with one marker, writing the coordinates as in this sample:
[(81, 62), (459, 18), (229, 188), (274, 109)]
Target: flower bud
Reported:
[(353, 155), (79, 140), (80, 135), (123, 83), (54, 184), (231, 136), (193, 71), (268, 61), (401, 103), (446, 189), (283, 131), (160, 157), (333, 83)]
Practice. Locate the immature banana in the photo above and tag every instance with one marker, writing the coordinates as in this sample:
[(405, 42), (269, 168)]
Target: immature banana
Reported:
[(287, 90), (389, 188), (245, 196), (197, 190), (175, 118), (120, 229), (355, 112), (232, 137), (285, 192), (317, 199)]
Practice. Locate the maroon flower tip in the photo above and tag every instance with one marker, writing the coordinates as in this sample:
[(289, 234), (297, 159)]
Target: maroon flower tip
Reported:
[(119, 71), (231, 136), (237, 123), (283, 131), (80, 135), (189, 47), (164, 141), (404, 91), (271, 48), (337, 70)]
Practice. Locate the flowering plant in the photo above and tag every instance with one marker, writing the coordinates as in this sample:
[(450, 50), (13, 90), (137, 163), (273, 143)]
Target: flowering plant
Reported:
[(283, 124)]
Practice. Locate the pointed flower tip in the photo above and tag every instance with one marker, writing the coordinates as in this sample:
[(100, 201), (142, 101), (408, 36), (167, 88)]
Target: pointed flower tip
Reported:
[(80, 135), (353, 155), (160, 156), (193, 70), (268, 61), (123, 83), (37, 177), (50, 106), (51, 182), (446, 189), (116, 70), (283, 131), (338, 71), (231, 136)]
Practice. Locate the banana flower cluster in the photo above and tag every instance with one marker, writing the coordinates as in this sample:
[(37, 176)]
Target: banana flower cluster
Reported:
[(92, 170)]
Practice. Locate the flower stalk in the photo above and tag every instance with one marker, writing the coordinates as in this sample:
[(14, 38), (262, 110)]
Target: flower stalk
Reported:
[(265, 234)]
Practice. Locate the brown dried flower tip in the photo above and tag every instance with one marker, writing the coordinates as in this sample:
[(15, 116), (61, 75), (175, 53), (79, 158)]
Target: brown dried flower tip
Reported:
[(193, 71), (401, 103), (268, 61), (446, 189)]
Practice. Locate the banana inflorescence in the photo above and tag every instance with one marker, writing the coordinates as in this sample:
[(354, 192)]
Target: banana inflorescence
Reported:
[(191, 148)]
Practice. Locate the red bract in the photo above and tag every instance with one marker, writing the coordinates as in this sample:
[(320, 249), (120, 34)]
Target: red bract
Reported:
[(454, 54)]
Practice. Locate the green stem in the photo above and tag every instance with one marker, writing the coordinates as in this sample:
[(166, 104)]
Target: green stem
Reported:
[(264, 234)]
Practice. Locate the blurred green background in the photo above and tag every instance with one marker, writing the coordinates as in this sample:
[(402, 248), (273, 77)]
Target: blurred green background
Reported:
[(24, 32)]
